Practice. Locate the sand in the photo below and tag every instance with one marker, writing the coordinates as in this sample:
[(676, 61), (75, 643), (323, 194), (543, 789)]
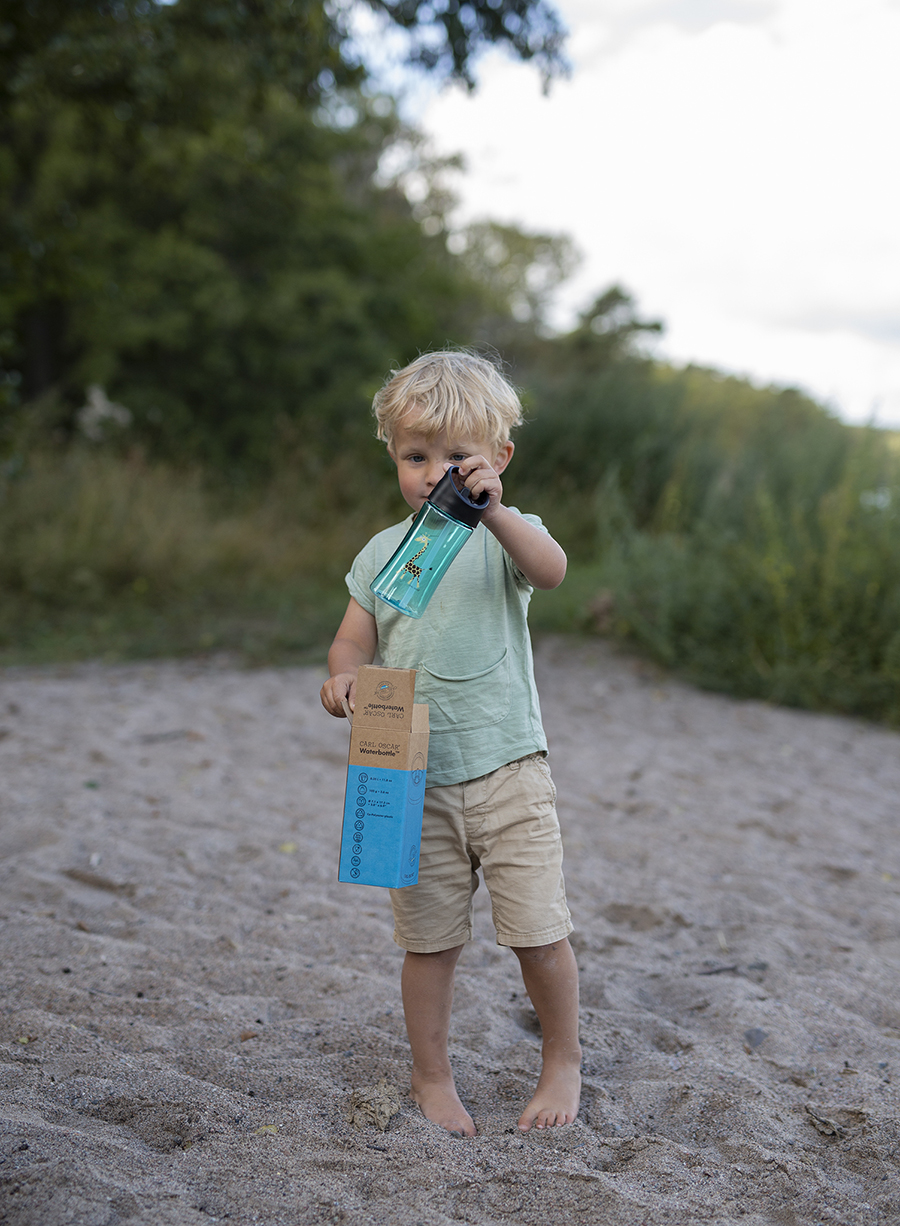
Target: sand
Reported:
[(199, 1024)]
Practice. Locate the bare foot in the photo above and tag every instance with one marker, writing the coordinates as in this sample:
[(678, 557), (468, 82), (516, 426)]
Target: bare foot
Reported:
[(556, 1098), (439, 1102)]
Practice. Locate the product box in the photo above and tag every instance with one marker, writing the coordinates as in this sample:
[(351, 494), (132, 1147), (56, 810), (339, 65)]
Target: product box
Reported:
[(385, 780)]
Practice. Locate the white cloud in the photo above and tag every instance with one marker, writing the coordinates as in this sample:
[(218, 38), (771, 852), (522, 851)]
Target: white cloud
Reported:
[(730, 161)]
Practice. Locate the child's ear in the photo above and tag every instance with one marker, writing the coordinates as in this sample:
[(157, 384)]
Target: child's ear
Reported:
[(504, 455)]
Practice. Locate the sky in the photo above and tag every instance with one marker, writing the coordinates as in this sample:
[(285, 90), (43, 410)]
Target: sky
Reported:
[(732, 163)]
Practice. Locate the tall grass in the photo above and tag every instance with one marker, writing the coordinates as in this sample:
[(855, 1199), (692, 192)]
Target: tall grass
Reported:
[(741, 536), (797, 609), (101, 555)]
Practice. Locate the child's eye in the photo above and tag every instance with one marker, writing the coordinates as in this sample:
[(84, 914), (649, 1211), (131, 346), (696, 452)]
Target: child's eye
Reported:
[(458, 457)]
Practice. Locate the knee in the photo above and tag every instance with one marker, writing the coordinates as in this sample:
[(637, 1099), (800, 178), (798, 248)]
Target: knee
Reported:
[(441, 957), (534, 955)]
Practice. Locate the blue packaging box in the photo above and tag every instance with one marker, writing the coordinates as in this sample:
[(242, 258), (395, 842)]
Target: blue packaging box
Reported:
[(382, 826)]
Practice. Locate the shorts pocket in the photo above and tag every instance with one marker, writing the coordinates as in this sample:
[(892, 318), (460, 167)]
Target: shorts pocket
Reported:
[(540, 764), (462, 704)]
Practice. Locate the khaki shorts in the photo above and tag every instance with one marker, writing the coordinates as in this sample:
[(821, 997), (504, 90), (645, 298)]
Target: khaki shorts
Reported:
[(506, 824)]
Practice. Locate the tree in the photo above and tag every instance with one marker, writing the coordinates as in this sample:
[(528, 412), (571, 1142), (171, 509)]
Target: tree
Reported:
[(607, 333), (100, 103), (189, 217), (521, 270), (446, 35)]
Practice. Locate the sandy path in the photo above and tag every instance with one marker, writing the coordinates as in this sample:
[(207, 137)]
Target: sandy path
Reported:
[(189, 997)]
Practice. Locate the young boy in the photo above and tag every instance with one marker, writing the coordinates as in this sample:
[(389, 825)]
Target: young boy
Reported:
[(490, 801)]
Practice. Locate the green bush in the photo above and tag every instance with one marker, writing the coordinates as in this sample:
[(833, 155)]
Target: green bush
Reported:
[(791, 596), (743, 536)]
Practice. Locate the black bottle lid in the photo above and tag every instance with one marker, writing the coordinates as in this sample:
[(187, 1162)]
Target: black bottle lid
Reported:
[(456, 502)]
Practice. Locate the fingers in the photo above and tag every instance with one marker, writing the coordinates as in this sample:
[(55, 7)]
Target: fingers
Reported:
[(327, 697), (480, 477), (336, 691)]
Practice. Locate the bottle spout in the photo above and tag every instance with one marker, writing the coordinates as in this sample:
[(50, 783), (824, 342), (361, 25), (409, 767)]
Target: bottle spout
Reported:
[(451, 496)]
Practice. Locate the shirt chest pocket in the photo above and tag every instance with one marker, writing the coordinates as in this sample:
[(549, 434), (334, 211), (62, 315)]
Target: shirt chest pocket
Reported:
[(462, 704)]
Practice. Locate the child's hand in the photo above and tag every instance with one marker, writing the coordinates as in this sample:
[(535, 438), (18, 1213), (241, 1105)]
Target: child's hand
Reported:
[(335, 690), (480, 478)]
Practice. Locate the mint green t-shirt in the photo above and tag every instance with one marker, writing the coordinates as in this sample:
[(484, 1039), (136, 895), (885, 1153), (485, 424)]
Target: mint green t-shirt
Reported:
[(471, 650)]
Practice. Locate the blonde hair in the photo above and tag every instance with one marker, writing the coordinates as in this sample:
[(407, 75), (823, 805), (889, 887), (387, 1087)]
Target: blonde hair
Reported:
[(452, 390)]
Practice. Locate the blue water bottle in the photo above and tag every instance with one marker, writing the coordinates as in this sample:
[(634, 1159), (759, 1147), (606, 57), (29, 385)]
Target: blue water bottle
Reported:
[(439, 531)]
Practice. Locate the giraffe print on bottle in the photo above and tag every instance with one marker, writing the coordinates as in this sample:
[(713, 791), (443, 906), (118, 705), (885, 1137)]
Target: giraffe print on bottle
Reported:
[(416, 571)]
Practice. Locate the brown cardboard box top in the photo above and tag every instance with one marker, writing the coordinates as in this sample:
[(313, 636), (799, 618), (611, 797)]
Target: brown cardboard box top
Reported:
[(385, 698), (389, 728)]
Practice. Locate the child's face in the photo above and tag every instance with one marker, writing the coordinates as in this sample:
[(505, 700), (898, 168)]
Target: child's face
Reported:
[(421, 461)]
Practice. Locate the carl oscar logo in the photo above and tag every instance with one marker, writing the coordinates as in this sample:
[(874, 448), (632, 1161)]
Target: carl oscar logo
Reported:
[(418, 770), (385, 691)]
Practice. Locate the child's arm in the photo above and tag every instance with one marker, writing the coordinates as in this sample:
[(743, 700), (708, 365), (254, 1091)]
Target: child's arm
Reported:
[(354, 644), (538, 556)]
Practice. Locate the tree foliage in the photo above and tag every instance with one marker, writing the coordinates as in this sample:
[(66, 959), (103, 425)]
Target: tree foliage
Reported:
[(447, 34), (190, 218), (520, 273)]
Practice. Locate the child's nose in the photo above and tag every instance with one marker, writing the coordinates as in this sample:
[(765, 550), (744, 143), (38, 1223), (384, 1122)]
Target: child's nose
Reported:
[(435, 472)]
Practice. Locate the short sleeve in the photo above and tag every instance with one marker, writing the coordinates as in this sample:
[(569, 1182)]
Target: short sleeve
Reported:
[(360, 575), (536, 522)]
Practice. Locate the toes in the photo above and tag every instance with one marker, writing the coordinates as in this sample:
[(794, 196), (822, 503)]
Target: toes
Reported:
[(545, 1118)]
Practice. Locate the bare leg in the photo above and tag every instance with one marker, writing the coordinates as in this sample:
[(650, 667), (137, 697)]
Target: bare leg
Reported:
[(427, 985), (551, 980)]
